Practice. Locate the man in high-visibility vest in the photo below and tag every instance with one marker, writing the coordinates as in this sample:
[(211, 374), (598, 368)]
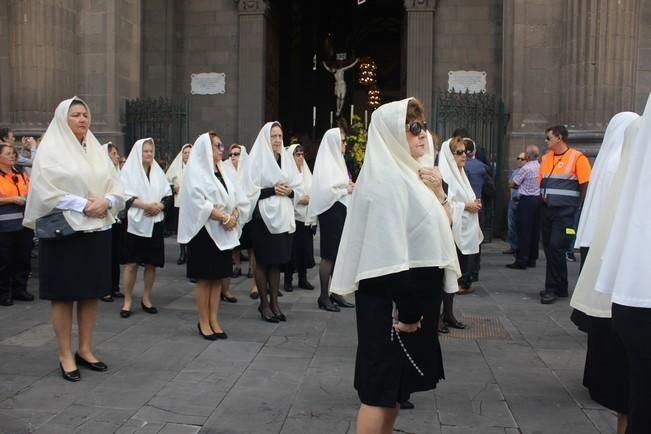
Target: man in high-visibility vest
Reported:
[(564, 176)]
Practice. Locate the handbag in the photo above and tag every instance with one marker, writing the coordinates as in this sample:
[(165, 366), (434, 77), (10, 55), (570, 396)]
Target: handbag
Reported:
[(53, 226)]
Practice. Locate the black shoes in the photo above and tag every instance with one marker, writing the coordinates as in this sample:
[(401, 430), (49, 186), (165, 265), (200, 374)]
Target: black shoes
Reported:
[(23, 296), (237, 272), (330, 307), (117, 294), (280, 316), (548, 298), (304, 284), (516, 266), (210, 337), (452, 322), (267, 317), (443, 327), (254, 295), (125, 313), (288, 286), (407, 405), (107, 298), (93, 366), (6, 301), (148, 309), (340, 301), (508, 252), (73, 376), (229, 298)]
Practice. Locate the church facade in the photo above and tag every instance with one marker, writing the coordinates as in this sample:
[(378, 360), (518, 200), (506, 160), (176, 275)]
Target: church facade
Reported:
[(571, 62)]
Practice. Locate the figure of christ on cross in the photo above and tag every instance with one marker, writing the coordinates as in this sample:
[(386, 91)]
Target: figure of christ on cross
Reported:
[(340, 83)]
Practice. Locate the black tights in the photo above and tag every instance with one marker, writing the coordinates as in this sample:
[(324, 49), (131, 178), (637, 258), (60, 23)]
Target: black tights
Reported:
[(325, 273), (267, 279), (448, 307)]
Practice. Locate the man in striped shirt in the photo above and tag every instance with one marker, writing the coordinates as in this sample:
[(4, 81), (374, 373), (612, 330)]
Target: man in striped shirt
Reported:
[(528, 217)]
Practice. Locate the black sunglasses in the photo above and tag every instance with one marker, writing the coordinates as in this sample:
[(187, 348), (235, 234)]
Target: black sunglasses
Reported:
[(233, 154), (520, 159), (416, 127), (460, 152)]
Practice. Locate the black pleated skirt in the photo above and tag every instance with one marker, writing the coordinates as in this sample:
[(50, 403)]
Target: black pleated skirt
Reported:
[(331, 225), (144, 250), (302, 247), (606, 371), (76, 267), (205, 260), (384, 376), (269, 249)]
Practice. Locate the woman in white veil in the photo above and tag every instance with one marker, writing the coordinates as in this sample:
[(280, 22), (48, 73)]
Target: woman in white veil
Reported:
[(175, 175), (396, 248)]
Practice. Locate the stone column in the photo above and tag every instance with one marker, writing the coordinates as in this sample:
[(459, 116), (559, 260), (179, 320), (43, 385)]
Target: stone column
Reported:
[(251, 69), (42, 68), (599, 61), (420, 51)]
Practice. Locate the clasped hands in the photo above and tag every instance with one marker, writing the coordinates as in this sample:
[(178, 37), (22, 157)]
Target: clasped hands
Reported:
[(228, 221), (97, 207), (406, 328), (282, 189)]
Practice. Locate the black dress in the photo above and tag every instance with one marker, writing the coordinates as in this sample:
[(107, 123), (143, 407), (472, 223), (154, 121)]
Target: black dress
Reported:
[(384, 375), (145, 250), (302, 247), (75, 268), (205, 260), (331, 224)]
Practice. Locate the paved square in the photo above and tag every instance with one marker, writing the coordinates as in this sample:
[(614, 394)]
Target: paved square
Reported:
[(517, 369)]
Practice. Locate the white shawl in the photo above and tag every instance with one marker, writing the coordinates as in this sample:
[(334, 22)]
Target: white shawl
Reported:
[(175, 172), (330, 183), (625, 271), (203, 192), (62, 167), (394, 221), (601, 177), (300, 211), (465, 225), (585, 298), (262, 171), (241, 164), (137, 185)]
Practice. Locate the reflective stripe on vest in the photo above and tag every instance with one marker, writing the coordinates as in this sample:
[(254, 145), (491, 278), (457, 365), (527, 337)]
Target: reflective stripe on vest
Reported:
[(11, 218), (562, 189)]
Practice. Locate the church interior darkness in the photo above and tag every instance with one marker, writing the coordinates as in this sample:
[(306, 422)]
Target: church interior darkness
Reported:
[(300, 30)]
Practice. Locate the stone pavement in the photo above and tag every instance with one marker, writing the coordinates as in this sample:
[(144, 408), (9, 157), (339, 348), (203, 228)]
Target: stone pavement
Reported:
[(516, 369)]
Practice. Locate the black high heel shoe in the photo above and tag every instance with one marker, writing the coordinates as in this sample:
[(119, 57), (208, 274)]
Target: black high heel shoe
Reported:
[(94, 366), (340, 301), (329, 307), (211, 337), (268, 318), (452, 322), (73, 376), (281, 316)]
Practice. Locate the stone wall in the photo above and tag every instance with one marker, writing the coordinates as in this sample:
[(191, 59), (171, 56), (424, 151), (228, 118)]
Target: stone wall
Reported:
[(468, 36), (643, 86)]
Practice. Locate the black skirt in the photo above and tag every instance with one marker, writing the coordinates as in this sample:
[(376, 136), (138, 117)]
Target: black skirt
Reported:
[(205, 260), (302, 247), (75, 268), (384, 376), (269, 249), (331, 224), (606, 371), (245, 238), (144, 250)]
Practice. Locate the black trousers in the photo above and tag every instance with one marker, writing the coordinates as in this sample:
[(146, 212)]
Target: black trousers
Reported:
[(557, 233), (528, 224), (15, 261), (633, 326), (469, 264)]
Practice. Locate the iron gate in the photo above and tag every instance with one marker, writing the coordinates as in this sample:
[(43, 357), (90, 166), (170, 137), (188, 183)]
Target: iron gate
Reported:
[(482, 115), (163, 119)]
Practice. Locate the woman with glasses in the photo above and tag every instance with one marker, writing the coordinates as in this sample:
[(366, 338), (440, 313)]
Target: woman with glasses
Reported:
[(465, 220), (270, 182), (15, 240), (331, 190), (303, 239), (73, 178), (175, 177), (209, 223), (149, 195), (396, 250)]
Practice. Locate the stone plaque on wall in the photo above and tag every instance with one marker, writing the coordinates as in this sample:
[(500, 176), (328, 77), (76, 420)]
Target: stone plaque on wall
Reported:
[(208, 83), (471, 81)]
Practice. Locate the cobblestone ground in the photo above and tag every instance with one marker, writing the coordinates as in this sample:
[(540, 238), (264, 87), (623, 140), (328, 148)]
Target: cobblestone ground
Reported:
[(516, 369)]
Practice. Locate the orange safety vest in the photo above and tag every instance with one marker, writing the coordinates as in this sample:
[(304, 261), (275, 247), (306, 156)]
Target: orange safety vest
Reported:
[(11, 215), (559, 185)]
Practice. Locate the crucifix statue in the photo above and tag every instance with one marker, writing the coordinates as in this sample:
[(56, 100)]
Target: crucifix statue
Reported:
[(340, 83)]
